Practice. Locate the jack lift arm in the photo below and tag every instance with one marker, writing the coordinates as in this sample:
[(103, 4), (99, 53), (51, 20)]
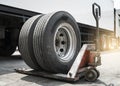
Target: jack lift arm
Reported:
[(84, 65)]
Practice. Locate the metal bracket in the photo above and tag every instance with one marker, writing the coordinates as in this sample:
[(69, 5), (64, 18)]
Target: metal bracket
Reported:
[(73, 70)]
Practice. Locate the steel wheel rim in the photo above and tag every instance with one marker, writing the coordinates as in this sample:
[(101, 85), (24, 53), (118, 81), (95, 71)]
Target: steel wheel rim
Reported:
[(65, 42)]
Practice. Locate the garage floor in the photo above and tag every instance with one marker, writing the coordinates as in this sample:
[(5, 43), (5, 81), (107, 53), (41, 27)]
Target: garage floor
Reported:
[(110, 73)]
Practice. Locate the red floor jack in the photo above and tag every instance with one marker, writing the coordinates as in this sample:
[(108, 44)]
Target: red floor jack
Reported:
[(85, 63)]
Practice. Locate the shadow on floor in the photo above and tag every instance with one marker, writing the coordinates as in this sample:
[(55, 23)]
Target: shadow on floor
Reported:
[(13, 57), (43, 81), (52, 82), (8, 64), (96, 83)]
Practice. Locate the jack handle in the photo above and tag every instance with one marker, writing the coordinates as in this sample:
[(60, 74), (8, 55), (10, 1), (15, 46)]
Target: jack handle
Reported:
[(96, 10)]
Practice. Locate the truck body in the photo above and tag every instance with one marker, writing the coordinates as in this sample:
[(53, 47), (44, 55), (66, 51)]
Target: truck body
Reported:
[(13, 14), (81, 10), (118, 25), (117, 22)]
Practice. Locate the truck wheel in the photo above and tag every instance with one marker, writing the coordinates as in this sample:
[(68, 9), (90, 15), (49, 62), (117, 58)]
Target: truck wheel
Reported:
[(98, 73), (91, 75), (7, 49), (25, 42), (56, 42), (109, 40), (103, 42), (8, 45), (118, 42)]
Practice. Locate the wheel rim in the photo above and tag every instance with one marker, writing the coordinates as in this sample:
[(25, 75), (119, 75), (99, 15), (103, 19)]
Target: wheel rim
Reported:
[(65, 42)]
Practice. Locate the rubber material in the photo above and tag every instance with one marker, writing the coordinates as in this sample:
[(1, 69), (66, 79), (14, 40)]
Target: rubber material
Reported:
[(91, 75), (9, 44), (25, 42), (98, 73), (7, 50), (43, 39)]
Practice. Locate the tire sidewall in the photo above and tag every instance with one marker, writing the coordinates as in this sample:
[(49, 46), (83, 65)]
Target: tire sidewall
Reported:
[(48, 41)]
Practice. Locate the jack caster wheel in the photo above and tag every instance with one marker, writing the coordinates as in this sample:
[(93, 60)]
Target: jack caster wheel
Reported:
[(91, 75), (98, 73)]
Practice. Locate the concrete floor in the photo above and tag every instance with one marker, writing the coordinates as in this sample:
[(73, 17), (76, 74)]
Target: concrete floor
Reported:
[(110, 73)]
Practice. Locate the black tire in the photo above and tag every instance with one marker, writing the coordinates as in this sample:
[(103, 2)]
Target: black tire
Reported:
[(7, 50), (25, 42), (98, 73), (91, 75), (8, 45), (44, 42)]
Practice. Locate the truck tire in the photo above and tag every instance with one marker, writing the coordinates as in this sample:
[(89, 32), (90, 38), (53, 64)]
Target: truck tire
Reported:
[(56, 41), (7, 50), (25, 42), (109, 42), (8, 45), (103, 42)]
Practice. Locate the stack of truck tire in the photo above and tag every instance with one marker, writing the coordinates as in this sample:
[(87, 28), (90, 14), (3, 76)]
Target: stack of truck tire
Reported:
[(50, 42)]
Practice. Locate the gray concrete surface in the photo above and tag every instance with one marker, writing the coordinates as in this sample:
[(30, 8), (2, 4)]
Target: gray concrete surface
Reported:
[(110, 73)]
